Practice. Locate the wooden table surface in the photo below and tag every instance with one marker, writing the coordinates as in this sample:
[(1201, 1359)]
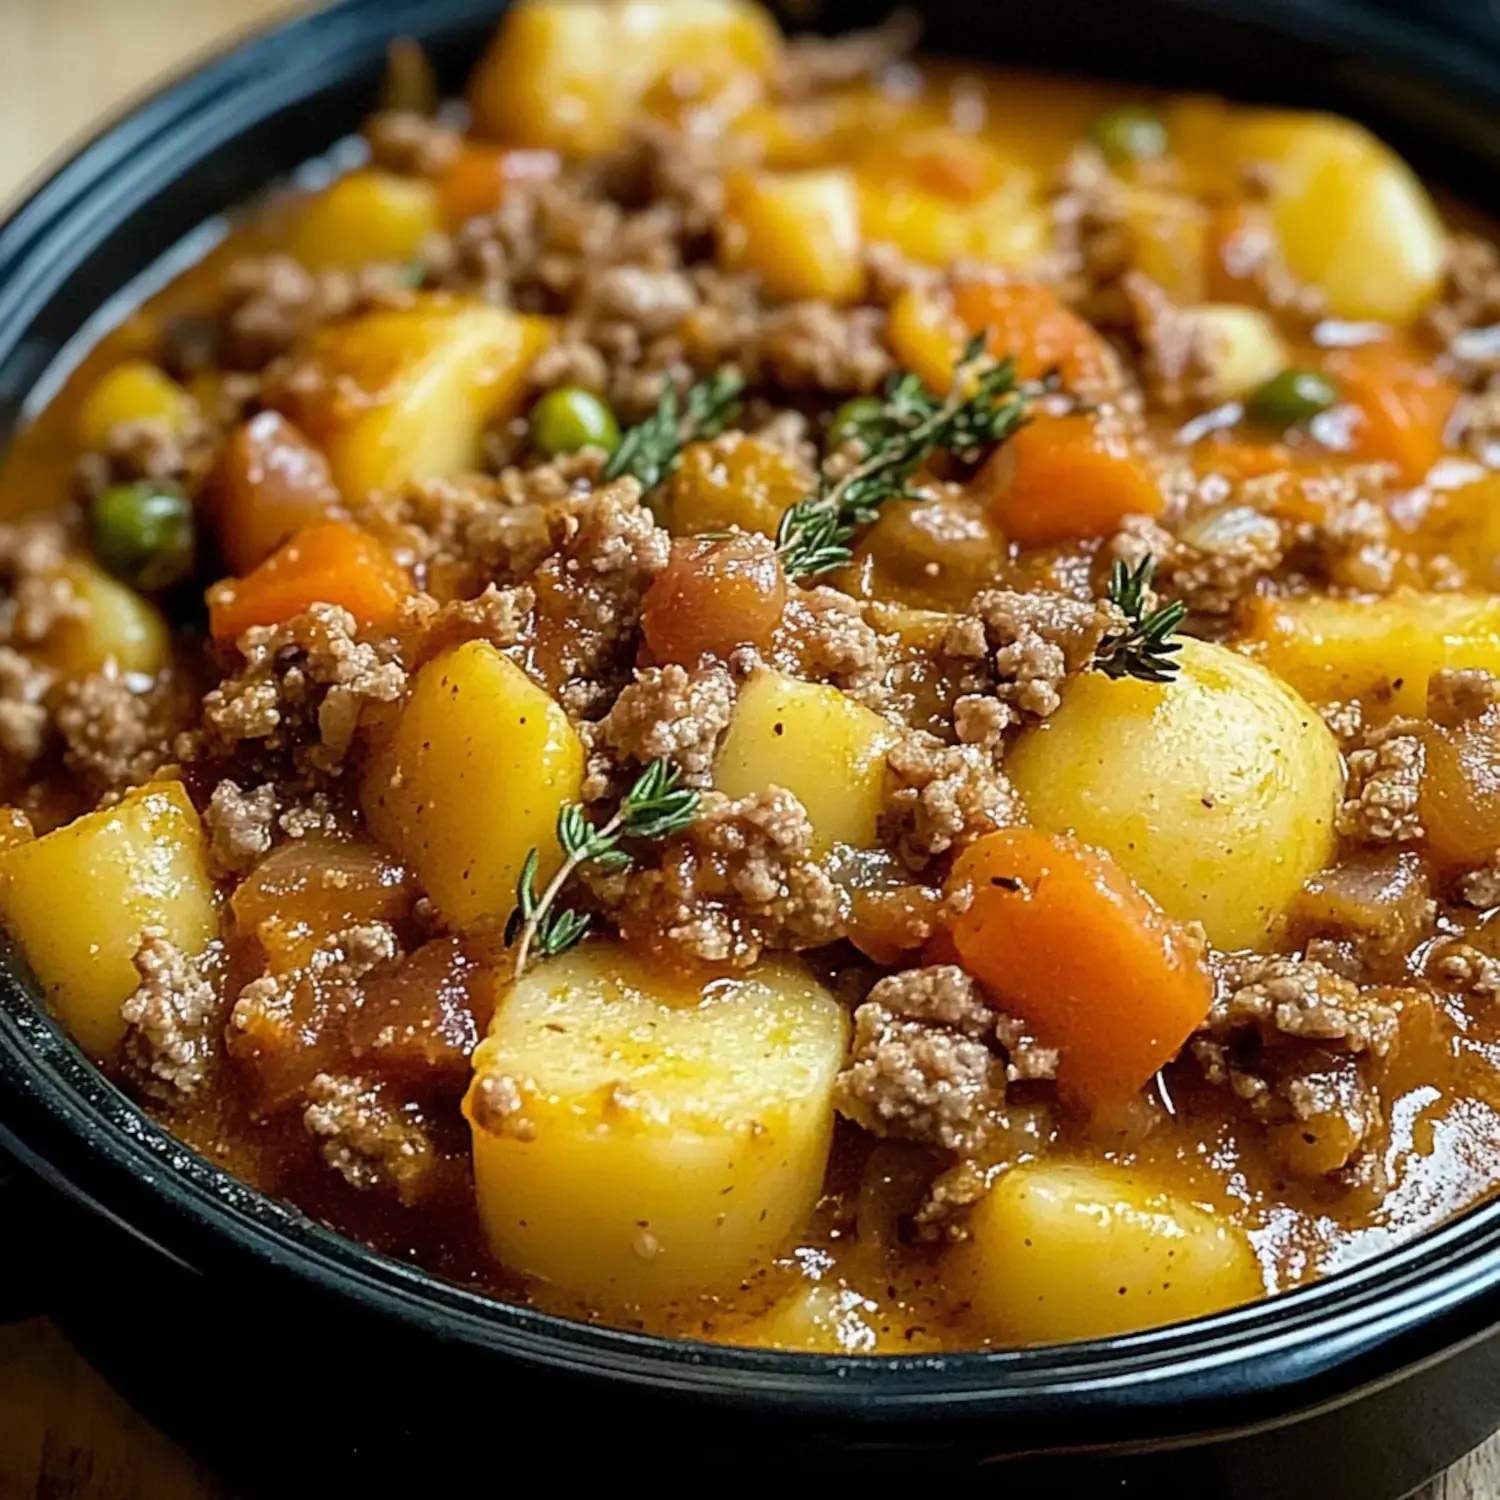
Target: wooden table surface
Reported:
[(64, 1434)]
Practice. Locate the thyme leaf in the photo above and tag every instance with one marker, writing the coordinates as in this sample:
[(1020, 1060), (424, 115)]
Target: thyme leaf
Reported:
[(649, 451), (1145, 648)]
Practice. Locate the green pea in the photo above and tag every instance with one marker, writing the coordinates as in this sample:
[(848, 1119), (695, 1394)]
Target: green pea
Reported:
[(570, 418), (1130, 133), (143, 534), (853, 420), (1292, 398)]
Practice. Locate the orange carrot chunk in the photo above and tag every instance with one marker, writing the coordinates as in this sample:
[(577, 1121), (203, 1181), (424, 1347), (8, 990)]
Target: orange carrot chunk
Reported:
[(1065, 477), (1404, 406), (328, 563), (1059, 933), (478, 179)]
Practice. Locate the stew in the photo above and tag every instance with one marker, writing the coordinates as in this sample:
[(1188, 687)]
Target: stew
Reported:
[(760, 691)]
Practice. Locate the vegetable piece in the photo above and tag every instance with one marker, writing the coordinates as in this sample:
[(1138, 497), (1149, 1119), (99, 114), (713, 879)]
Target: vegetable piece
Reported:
[(133, 392), (1107, 977), (78, 900), (637, 1138), (651, 450), (116, 624), (824, 748), (798, 231), (310, 890), (1169, 235), (1460, 796), (570, 418), (1058, 1251), (1350, 216), (1065, 477), (1216, 791), (1023, 321), (850, 420), (329, 563), (479, 765), (929, 552), (1404, 406), (1383, 653), (143, 534), (713, 597), (1241, 344), (736, 480), (367, 216), (572, 74), (1130, 133), (406, 393), (819, 1319), (478, 180), (270, 483), (1292, 398)]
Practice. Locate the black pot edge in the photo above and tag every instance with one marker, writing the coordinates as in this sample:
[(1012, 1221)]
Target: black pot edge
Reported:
[(1366, 1334)]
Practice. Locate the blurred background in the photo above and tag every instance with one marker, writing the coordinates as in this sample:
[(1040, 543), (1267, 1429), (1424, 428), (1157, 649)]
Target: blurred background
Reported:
[(64, 63)]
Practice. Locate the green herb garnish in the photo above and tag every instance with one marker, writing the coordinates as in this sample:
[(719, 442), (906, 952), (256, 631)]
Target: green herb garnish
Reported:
[(654, 808), (649, 451), (1145, 648)]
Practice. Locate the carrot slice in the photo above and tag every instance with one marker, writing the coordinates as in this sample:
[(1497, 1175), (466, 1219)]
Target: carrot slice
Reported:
[(1065, 477), (328, 563), (1404, 406), (478, 179), (1058, 931)]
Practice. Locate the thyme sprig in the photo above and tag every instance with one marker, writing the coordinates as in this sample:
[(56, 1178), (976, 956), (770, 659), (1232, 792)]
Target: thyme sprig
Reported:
[(984, 406), (1144, 648), (656, 807), (649, 451)]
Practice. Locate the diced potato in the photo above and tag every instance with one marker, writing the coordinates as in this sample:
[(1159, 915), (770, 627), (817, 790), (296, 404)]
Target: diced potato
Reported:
[(366, 216), (733, 480), (407, 393), (1216, 791), (1060, 1252), (472, 778), (798, 231), (117, 624), (819, 1319), (1241, 344), (133, 392), (1169, 237), (1382, 652), (1003, 230), (824, 748), (1350, 216), (637, 1138), (77, 901), (572, 74)]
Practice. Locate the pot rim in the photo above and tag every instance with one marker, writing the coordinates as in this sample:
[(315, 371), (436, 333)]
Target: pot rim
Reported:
[(1317, 1345)]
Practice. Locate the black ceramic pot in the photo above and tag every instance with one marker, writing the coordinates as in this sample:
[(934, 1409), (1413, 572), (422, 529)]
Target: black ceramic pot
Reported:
[(295, 1359)]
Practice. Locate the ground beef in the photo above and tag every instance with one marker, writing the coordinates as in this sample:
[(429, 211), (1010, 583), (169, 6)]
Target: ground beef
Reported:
[(1212, 565), (1469, 302), (940, 798), (1383, 790), (1480, 888), (38, 592), (1176, 367), (176, 456), (170, 1021), (1457, 696), (500, 617), (1293, 1040), (1462, 967), (742, 879), (241, 825), (25, 724), (812, 346), (412, 144), (301, 689), (369, 1139), (825, 637), (667, 713), (114, 734)]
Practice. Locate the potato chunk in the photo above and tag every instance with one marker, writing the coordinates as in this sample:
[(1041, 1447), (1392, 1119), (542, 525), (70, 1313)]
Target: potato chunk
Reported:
[(406, 393), (134, 392), (825, 749), (1383, 653), (798, 231), (1216, 791), (1060, 1252), (363, 217), (117, 625), (472, 779), (572, 74), (637, 1138), (78, 900)]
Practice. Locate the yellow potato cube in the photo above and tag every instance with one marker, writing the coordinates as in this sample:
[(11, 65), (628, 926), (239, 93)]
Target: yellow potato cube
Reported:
[(824, 748), (407, 393), (637, 1138), (471, 780), (117, 625), (78, 900), (1003, 230), (133, 392), (572, 74), (1060, 1252), (366, 216), (1382, 652), (1216, 791), (798, 231)]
